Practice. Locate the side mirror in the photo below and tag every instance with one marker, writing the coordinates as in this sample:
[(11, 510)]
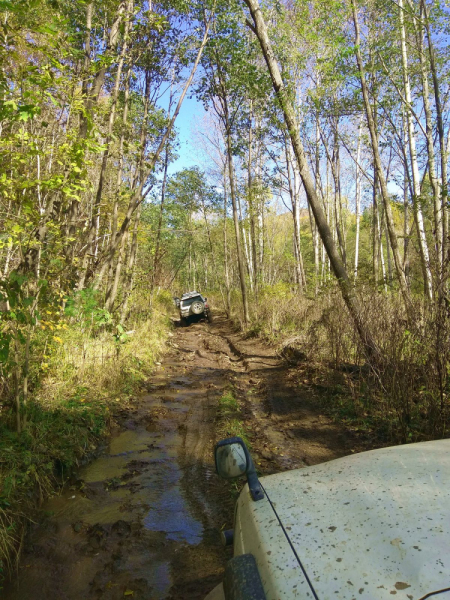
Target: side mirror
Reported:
[(233, 460)]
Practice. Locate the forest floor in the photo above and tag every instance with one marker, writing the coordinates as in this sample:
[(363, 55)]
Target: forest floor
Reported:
[(142, 520)]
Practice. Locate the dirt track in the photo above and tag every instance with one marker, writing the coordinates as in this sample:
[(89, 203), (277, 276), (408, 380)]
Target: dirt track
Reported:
[(142, 520)]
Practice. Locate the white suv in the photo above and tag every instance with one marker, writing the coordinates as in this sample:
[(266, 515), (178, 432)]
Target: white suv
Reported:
[(193, 304), (374, 525)]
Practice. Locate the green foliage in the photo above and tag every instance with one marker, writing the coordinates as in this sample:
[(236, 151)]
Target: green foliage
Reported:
[(228, 404), (85, 309), (230, 417)]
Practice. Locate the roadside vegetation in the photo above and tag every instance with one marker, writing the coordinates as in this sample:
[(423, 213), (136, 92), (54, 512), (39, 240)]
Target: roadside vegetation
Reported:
[(89, 375), (402, 399), (230, 418)]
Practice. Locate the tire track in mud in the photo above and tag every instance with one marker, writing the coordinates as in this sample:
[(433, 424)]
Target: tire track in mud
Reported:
[(285, 411)]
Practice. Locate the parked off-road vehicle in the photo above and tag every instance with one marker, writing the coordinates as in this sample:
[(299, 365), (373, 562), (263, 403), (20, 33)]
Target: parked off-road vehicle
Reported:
[(194, 305)]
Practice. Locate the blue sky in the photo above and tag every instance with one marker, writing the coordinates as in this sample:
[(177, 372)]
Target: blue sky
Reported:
[(191, 110)]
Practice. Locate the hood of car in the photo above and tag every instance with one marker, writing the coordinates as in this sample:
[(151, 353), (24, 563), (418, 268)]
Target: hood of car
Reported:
[(372, 525)]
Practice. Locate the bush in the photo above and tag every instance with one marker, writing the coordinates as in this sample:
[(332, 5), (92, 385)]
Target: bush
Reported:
[(404, 392)]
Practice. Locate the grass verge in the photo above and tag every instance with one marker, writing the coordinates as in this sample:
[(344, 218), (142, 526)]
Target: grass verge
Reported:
[(230, 418), (87, 380)]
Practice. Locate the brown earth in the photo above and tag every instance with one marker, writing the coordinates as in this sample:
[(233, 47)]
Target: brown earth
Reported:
[(143, 519)]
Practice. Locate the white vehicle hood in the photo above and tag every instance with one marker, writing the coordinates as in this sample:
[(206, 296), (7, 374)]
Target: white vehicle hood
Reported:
[(374, 525)]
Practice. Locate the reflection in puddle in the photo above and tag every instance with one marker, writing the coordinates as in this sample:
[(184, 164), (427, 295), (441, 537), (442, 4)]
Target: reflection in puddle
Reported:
[(161, 580), (177, 407), (103, 468), (128, 441), (169, 512)]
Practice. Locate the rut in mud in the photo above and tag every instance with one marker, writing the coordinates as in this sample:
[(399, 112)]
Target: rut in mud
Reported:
[(142, 520)]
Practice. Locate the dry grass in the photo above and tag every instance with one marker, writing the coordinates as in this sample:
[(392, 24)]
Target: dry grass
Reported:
[(102, 367), (403, 395)]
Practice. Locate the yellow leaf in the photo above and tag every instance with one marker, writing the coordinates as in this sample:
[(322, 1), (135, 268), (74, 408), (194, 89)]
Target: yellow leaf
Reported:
[(82, 399), (48, 312), (57, 339), (44, 365), (128, 593)]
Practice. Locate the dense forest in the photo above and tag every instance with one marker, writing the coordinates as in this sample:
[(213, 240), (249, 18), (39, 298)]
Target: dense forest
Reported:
[(317, 216)]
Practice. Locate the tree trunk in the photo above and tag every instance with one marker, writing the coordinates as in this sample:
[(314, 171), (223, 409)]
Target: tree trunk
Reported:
[(251, 203), (234, 200), (418, 217), (375, 234), (138, 196), (247, 245), (357, 199), (236, 223), (92, 246), (119, 175), (335, 170), (213, 256), (128, 287), (293, 193), (225, 244), (155, 273), (437, 212), (441, 135), (115, 284), (259, 28), (378, 165)]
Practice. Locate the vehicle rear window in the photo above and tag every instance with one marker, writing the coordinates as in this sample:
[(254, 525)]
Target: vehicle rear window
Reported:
[(189, 301)]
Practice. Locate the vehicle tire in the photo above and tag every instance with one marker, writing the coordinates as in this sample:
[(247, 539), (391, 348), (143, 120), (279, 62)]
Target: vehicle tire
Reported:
[(184, 322), (197, 307), (209, 317), (242, 580)]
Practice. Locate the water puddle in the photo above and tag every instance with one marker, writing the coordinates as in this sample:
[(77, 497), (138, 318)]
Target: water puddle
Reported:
[(118, 530), (128, 442), (168, 512)]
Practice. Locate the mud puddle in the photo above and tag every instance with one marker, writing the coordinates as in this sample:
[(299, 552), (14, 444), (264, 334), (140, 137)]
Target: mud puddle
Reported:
[(139, 516)]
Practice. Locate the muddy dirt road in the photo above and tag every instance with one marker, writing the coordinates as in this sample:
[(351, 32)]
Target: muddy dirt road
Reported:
[(142, 520)]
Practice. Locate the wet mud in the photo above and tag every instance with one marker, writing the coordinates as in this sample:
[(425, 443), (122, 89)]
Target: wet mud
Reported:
[(143, 519)]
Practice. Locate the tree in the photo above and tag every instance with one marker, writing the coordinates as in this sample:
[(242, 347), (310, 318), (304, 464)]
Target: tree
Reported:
[(259, 28)]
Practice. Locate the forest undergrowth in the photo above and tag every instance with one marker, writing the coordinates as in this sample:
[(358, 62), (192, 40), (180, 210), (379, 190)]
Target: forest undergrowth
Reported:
[(90, 375), (400, 395)]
